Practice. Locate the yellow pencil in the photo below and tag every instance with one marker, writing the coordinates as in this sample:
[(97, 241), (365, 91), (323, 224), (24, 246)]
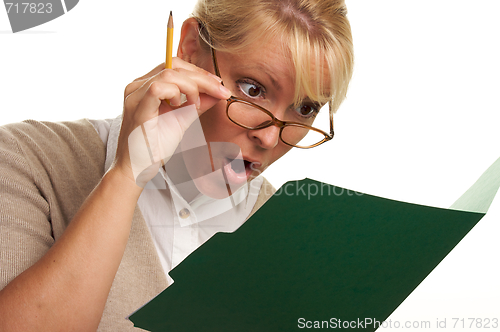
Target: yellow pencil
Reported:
[(170, 41), (168, 58)]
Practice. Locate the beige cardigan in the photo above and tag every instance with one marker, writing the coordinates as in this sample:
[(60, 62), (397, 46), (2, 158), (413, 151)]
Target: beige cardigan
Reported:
[(46, 172)]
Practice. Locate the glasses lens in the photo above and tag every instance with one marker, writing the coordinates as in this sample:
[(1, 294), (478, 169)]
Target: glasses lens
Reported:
[(248, 116), (300, 136), (252, 117)]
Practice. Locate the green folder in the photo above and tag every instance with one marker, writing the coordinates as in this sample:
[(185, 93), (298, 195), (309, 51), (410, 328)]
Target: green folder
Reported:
[(338, 257)]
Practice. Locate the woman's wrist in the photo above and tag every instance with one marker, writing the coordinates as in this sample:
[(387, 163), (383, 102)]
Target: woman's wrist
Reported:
[(118, 181)]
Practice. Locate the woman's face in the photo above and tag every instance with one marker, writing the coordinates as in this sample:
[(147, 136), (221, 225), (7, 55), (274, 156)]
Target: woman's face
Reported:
[(265, 77)]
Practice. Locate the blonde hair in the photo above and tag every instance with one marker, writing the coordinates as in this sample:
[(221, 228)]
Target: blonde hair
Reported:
[(316, 33)]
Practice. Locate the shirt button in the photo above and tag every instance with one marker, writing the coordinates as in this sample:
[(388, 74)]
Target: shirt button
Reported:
[(184, 213)]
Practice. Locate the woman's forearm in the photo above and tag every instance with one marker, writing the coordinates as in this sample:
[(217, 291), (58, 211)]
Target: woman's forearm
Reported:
[(67, 288)]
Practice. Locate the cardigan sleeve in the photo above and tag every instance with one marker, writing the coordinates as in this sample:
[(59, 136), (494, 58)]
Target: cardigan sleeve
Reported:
[(25, 228), (47, 170)]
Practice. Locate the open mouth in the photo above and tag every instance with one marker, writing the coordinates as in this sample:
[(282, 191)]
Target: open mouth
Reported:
[(239, 165), (240, 168)]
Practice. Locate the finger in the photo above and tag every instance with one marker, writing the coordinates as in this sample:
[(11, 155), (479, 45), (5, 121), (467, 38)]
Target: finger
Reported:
[(178, 63), (138, 82), (149, 104), (206, 84), (133, 87), (207, 102), (185, 84), (153, 72), (140, 110), (189, 83), (182, 84)]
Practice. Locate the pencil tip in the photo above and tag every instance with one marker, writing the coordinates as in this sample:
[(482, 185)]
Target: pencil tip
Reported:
[(170, 23)]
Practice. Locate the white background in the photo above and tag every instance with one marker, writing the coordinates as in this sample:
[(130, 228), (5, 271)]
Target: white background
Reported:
[(420, 123)]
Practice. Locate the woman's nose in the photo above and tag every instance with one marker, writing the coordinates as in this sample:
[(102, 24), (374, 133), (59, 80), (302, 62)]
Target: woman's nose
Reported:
[(266, 138)]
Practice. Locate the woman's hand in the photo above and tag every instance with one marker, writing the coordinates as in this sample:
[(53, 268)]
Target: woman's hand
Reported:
[(148, 114)]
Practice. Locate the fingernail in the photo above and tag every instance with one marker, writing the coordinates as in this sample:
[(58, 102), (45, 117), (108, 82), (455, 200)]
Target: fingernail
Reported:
[(183, 99), (225, 91), (216, 77), (198, 103)]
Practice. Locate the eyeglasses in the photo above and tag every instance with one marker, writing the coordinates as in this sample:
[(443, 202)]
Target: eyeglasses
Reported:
[(251, 116)]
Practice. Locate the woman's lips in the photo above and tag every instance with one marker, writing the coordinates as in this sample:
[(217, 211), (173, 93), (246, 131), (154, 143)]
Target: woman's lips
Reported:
[(233, 174), (238, 170)]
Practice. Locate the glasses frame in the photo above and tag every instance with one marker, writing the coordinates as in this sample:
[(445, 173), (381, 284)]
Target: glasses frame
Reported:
[(275, 121)]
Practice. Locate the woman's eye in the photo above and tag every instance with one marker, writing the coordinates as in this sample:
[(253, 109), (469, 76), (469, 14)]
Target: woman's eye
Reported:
[(252, 90), (307, 111)]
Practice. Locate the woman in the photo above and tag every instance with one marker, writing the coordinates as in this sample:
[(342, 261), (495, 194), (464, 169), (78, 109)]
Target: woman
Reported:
[(80, 246)]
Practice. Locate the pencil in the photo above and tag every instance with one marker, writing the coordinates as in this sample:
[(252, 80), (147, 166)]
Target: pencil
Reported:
[(170, 41), (168, 57)]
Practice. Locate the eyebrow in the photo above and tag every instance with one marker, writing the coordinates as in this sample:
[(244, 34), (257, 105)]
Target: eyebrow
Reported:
[(265, 69)]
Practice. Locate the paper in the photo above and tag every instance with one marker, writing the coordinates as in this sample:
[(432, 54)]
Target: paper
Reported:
[(312, 253), (478, 198)]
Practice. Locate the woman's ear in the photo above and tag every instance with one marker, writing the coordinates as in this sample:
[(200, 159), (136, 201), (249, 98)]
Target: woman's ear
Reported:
[(189, 44)]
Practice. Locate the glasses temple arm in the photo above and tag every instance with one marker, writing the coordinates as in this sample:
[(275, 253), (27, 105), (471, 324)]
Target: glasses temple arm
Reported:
[(214, 58), (331, 118)]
